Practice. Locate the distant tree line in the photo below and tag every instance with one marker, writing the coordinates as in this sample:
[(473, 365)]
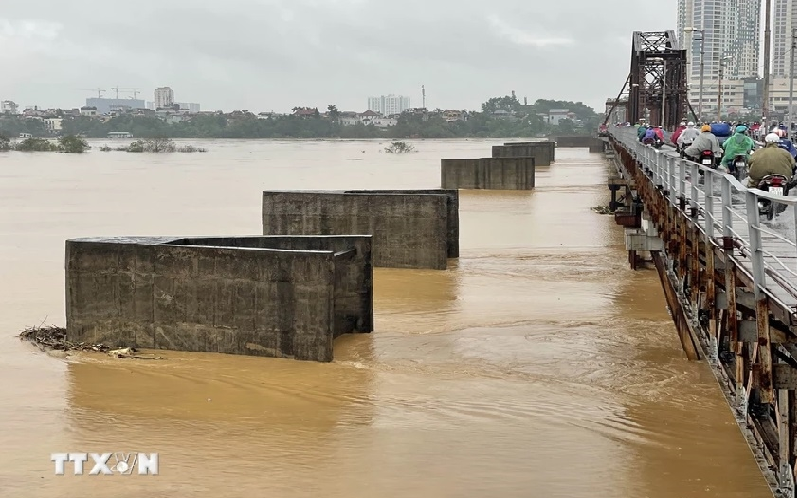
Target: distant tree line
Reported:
[(499, 117)]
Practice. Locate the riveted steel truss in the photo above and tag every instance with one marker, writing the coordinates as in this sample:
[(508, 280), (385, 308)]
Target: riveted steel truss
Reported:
[(657, 80)]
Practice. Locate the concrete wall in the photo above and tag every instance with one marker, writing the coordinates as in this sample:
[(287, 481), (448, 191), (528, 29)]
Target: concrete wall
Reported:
[(262, 296), (508, 173), (542, 152), (593, 143), (411, 228)]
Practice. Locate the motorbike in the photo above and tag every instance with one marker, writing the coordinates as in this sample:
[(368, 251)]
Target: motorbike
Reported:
[(774, 184), (738, 167), (681, 148), (706, 158), (655, 142)]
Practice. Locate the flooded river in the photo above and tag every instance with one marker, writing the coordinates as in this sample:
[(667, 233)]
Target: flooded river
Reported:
[(538, 365)]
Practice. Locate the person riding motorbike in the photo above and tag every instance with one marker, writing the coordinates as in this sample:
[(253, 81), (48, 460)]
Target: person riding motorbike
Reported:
[(659, 132), (771, 160), (677, 133), (705, 141), (650, 135), (722, 131), (738, 145), (641, 132), (785, 143), (688, 135)]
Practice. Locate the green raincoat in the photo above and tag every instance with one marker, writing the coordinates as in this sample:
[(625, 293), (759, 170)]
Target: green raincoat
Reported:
[(737, 145)]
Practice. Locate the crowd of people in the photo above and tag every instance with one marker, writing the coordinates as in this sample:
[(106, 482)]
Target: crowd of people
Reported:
[(728, 141)]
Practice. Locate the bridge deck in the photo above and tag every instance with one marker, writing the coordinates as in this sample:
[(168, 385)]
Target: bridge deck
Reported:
[(778, 236)]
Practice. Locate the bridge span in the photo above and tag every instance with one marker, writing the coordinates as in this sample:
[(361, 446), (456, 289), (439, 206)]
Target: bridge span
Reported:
[(730, 280)]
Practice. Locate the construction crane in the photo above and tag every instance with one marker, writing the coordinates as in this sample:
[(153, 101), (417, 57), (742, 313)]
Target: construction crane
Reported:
[(134, 91), (98, 90)]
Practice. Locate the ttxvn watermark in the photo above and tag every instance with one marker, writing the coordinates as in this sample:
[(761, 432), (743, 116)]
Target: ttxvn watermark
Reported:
[(107, 463)]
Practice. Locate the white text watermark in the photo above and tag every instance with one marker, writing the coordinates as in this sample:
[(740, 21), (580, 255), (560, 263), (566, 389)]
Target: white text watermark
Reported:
[(106, 463)]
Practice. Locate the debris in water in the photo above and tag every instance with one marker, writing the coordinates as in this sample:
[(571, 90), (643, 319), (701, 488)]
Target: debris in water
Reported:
[(602, 210), (52, 338)]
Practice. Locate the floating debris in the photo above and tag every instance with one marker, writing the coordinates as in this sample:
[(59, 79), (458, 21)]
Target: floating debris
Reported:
[(51, 338), (602, 210)]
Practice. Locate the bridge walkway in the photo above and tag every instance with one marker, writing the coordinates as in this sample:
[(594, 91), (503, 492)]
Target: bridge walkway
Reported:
[(730, 279)]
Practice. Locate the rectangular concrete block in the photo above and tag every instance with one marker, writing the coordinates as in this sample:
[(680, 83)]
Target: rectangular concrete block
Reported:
[(507, 173), (263, 296), (542, 152), (410, 228), (594, 144)]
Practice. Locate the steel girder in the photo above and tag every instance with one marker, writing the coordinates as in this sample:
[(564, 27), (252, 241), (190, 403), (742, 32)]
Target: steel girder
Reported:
[(657, 79)]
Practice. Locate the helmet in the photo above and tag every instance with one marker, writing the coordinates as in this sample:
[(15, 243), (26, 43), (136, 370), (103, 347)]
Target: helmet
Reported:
[(741, 129), (779, 132), (690, 123), (683, 123), (705, 128), (772, 138)]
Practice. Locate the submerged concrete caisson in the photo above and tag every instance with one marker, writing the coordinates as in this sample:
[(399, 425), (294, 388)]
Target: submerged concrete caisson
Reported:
[(274, 296), (411, 228)]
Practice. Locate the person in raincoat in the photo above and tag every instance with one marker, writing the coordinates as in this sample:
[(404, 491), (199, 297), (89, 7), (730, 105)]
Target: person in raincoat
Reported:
[(737, 145), (640, 132)]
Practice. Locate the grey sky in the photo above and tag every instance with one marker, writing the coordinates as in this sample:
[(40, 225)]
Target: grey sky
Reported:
[(276, 54)]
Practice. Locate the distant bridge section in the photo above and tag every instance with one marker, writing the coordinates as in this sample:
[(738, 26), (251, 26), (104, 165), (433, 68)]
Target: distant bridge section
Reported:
[(656, 85)]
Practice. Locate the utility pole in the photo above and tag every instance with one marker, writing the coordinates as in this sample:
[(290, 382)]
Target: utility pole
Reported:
[(664, 95), (767, 49), (702, 66), (719, 90), (791, 77)]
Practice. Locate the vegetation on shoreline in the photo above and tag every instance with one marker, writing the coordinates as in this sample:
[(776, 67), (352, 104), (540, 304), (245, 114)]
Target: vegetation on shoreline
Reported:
[(154, 145), (499, 117), (69, 145), (399, 148)]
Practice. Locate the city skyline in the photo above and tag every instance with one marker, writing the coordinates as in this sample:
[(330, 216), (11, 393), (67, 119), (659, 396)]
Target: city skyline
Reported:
[(237, 55)]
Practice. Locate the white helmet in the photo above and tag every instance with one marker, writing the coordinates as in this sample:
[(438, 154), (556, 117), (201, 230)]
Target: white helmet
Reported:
[(690, 123), (772, 138)]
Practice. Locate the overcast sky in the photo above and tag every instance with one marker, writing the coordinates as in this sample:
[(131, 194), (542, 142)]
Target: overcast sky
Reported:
[(277, 54)]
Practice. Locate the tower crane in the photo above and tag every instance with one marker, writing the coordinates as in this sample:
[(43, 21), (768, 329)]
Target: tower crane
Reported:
[(98, 90)]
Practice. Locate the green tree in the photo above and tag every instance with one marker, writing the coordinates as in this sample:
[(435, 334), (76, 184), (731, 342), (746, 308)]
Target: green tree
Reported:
[(72, 144), (334, 114), (5, 143), (34, 144)]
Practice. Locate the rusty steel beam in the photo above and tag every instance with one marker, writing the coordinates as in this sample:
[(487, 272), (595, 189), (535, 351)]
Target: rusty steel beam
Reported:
[(710, 295), (657, 79)]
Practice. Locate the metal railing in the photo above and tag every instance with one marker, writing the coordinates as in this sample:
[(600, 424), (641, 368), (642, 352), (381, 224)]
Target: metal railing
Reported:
[(738, 216)]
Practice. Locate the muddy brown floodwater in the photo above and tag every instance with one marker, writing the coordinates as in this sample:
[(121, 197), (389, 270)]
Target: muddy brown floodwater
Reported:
[(538, 365)]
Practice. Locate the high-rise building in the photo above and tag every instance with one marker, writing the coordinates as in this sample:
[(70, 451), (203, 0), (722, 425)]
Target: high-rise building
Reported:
[(784, 20), (731, 32), (388, 105), (164, 97)]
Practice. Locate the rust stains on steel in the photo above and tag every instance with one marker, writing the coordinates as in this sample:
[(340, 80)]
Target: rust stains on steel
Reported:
[(748, 338)]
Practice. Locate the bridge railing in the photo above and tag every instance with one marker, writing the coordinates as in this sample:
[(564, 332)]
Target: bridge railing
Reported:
[(725, 207)]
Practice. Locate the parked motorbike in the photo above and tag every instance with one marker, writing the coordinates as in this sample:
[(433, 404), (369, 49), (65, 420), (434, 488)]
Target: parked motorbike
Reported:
[(774, 184)]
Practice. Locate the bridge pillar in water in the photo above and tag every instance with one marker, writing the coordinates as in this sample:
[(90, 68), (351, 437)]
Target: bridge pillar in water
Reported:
[(279, 296), (411, 228)]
